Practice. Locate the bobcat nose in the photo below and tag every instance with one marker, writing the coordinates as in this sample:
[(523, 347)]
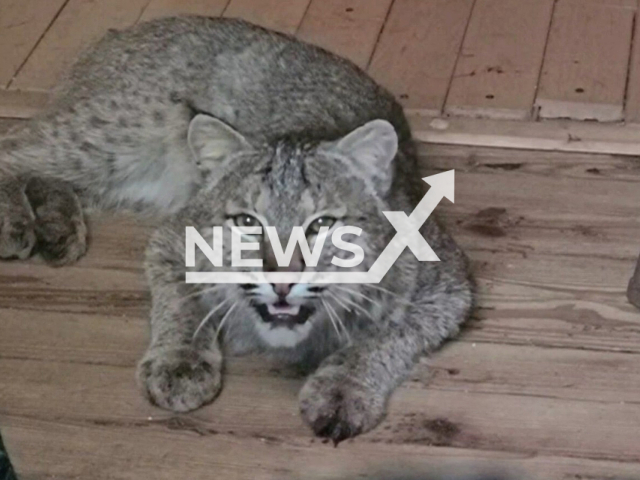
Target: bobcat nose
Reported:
[(282, 289), (296, 264)]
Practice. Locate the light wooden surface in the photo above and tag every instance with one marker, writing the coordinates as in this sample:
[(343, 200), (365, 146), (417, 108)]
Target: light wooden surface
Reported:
[(545, 380), (281, 15), (347, 27), (22, 23), (79, 23), (21, 104), (549, 135), (497, 71), (418, 48), (494, 59), (167, 8), (584, 73)]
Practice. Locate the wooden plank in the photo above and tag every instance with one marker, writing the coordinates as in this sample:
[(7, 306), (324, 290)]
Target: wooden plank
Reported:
[(94, 395), (417, 51), (22, 24), (281, 15), (21, 104), (349, 28), (532, 280), (118, 340), (176, 448), (167, 8), (533, 286), (79, 23), (560, 135), (497, 73), (532, 371), (544, 372), (632, 107), (585, 67), (549, 135)]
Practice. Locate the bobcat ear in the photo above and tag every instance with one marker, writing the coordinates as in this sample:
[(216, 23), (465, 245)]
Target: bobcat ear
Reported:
[(212, 140), (372, 147)]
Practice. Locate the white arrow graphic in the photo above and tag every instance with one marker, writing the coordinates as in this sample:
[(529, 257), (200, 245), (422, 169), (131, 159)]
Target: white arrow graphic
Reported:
[(407, 235)]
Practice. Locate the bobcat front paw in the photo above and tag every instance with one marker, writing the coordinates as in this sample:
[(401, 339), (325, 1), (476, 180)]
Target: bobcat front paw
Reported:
[(17, 222), (59, 222), (180, 379), (339, 406)]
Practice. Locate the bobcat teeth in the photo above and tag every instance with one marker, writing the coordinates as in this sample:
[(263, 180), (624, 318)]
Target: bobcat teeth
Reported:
[(283, 310)]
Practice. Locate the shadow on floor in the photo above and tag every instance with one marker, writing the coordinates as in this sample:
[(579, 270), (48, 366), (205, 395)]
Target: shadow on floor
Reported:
[(6, 470)]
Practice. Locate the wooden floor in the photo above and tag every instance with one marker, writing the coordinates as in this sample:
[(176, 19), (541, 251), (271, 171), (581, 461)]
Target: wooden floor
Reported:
[(545, 381), (500, 59)]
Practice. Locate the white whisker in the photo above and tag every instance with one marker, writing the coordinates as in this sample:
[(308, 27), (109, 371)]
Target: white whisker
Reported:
[(339, 301), (201, 292), (224, 319), (339, 320), (378, 287), (359, 294), (385, 290), (207, 317), (359, 307)]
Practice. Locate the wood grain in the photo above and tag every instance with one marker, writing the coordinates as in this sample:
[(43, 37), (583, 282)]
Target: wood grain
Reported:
[(551, 426), (281, 15), (543, 382), (114, 451), (418, 48), (167, 8), (551, 135), (576, 82), (22, 24), (544, 372), (79, 23), (116, 342), (548, 135), (583, 77), (524, 243), (21, 104), (349, 28), (497, 72)]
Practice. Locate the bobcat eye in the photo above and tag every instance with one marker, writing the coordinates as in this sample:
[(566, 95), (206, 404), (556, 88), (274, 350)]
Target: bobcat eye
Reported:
[(245, 220), (315, 226)]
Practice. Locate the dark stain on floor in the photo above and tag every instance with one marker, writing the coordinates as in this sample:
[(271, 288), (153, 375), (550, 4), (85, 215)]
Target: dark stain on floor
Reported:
[(421, 430), (504, 166), (489, 222)]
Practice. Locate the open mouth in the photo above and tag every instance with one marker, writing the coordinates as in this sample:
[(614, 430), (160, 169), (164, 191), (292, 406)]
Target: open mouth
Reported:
[(282, 314)]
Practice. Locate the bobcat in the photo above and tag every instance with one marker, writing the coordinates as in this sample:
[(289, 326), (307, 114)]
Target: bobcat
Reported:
[(217, 122)]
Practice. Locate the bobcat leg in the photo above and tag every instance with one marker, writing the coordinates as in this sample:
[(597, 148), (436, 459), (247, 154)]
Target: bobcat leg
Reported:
[(59, 221), (17, 221)]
